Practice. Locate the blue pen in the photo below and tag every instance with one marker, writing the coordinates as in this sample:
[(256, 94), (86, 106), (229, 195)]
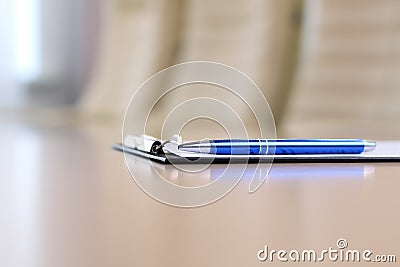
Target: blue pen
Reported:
[(279, 146)]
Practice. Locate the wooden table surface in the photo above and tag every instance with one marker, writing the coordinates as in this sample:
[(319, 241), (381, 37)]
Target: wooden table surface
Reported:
[(67, 199)]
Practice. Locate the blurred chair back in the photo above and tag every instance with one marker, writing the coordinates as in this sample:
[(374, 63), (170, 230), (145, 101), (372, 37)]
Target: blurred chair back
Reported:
[(348, 82), (142, 37)]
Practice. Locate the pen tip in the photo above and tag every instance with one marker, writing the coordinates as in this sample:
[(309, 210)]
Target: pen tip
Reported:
[(369, 146)]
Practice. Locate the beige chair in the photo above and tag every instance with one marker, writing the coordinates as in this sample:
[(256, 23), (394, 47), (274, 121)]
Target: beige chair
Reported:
[(348, 80), (138, 39), (345, 83), (142, 37)]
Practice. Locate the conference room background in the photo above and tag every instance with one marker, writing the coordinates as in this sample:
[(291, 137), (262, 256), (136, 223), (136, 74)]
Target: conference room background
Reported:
[(327, 68)]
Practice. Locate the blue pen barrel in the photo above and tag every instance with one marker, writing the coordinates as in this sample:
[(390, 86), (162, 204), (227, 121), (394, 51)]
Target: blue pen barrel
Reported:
[(286, 146), (239, 147), (316, 146)]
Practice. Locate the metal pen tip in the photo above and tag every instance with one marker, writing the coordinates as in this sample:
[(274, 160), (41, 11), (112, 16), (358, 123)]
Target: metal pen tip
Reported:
[(369, 146)]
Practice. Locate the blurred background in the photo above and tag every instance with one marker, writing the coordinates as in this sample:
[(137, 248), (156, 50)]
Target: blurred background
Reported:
[(328, 68), (68, 68)]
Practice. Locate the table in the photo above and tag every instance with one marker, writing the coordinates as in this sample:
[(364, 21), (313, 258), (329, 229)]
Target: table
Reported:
[(67, 199)]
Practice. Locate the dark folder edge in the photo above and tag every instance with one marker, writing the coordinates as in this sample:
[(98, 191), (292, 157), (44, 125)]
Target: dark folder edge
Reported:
[(345, 158)]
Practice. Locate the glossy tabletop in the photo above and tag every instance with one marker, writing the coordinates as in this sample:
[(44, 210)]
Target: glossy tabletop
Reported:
[(67, 199)]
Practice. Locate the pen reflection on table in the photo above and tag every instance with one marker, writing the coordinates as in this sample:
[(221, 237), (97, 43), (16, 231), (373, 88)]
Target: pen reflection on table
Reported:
[(258, 172)]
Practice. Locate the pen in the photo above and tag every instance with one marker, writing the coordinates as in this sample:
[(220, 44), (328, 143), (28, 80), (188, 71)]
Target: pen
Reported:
[(278, 146)]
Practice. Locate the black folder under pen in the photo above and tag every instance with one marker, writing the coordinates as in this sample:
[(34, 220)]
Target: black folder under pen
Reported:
[(386, 151)]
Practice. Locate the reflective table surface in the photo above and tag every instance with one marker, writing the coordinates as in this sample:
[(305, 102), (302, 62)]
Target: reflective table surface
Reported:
[(67, 199)]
